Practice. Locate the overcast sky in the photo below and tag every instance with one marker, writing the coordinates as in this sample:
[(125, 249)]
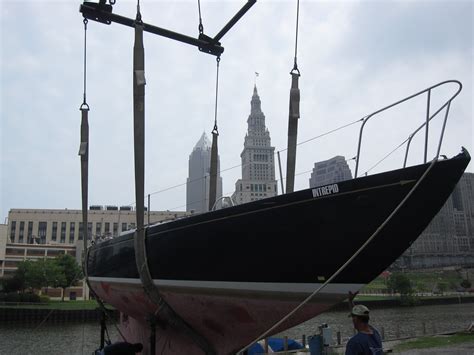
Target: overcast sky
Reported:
[(354, 56)]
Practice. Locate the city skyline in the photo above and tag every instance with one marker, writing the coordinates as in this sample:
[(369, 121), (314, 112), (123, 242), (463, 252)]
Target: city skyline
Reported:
[(354, 58)]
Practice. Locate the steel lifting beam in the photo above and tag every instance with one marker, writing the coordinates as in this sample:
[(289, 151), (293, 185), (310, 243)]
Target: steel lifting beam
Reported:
[(103, 13)]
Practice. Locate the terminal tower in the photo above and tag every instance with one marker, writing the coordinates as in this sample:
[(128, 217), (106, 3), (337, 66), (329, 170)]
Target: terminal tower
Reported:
[(258, 159)]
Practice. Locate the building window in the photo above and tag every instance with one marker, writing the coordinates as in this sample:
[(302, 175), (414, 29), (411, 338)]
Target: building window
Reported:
[(107, 228), (124, 227), (12, 231), (42, 232), (98, 229), (63, 232), (54, 231), (30, 233), (81, 231), (21, 233), (72, 230), (89, 230), (115, 228)]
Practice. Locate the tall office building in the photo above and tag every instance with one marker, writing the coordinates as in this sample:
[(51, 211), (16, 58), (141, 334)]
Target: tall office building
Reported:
[(330, 171), (258, 164), (449, 238), (197, 187)]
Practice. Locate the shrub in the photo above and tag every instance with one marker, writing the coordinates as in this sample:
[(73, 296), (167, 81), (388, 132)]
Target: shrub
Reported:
[(12, 297), (44, 299), (29, 298)]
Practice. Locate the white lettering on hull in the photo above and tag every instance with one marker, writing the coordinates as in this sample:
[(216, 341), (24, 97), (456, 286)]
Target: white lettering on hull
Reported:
[(325, 190)]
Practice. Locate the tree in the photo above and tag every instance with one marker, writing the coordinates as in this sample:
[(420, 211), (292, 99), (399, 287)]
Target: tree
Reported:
[(400, 283), (71, 270), (53, 273), (30, 274), (13, 284)]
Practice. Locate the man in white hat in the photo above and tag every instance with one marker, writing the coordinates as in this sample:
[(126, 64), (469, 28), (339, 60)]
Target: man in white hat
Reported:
[(367, 341)]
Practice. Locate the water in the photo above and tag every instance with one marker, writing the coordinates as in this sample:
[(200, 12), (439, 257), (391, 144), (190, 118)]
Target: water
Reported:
[(397, 322), (84, 338)]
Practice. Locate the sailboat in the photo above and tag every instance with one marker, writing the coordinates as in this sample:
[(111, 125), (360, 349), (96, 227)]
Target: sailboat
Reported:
[(231, 274), (212, 283)]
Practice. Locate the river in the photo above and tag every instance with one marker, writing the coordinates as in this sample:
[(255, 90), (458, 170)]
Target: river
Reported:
[(83, 338)]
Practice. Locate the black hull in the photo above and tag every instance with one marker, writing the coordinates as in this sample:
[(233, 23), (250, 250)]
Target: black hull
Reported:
[(308, 236), (295, 241)]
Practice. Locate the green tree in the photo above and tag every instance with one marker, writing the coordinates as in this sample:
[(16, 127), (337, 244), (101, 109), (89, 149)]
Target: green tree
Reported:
[(442, 286), (400, 283), (71, 270), (53, 273), (13, 284), (30, 274)]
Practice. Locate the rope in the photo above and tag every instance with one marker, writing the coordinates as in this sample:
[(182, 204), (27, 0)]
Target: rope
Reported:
[(328, 132), (384, 223), (386, 156)]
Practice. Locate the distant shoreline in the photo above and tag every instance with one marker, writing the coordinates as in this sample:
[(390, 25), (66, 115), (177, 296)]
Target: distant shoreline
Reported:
[(396, 302), (36, 313)]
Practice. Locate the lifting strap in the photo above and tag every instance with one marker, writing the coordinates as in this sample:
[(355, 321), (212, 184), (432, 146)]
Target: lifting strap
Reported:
[(214, 152), (163, 309), (293, 117), (84, 153)]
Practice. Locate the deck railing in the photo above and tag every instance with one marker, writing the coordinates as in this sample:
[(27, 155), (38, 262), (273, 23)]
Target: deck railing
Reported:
[(446, 106)]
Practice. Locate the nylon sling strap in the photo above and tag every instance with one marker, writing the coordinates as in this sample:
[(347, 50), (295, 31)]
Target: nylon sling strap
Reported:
[(214, 151), (149, 287), (213, 170), (294, 115), (139, 152), (84, 153)]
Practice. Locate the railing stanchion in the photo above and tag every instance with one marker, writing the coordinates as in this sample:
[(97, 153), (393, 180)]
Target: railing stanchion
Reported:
[(427, 125)]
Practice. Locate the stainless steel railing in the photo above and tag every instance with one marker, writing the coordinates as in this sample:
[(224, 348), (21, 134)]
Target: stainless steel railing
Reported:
[(446, 106)]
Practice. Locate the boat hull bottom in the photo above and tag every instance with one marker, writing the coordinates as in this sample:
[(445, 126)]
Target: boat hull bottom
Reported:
[(228, 318)]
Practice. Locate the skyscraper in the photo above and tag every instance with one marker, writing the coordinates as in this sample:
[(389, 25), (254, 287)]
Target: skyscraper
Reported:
[(449, 238), (330, 171), (197, 187), (258, 165)]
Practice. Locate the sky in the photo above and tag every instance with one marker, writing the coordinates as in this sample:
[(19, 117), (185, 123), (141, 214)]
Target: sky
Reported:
[(355, 57)]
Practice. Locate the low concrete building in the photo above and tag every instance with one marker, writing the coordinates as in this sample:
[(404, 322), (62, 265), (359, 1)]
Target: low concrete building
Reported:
[(55, 226), (33, 234)]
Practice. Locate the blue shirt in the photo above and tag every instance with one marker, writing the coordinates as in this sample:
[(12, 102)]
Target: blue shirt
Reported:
[(365, 344)]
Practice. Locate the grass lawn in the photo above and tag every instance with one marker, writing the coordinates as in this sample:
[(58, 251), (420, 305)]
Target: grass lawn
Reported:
[(66, 305), (436, 341)]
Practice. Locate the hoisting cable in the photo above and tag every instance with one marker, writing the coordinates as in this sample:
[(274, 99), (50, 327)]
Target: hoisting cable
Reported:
[(214, 150), (84, 154), (294, 114), (200, 27), (367, 242), (150, 289)]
